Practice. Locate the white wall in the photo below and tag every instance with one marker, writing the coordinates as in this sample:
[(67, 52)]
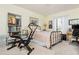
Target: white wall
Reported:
[(4, 9), (74, 13), (70, 14), (25, 14)]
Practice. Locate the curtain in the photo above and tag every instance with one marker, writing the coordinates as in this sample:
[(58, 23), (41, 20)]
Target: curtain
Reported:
[(60, 24)]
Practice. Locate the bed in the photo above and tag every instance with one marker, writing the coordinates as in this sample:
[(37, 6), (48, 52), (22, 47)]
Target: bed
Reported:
[(49, 38)]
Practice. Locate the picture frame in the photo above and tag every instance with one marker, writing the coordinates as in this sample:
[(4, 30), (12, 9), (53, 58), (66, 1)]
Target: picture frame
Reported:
[(34, 20), (50, 24), (74, 21)]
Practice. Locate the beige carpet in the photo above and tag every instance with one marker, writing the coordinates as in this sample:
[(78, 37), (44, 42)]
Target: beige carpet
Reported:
[(15, 51), (63, 48), (66, 48)]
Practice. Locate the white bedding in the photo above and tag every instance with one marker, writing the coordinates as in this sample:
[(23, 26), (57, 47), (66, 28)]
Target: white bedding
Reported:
[(44, 36)]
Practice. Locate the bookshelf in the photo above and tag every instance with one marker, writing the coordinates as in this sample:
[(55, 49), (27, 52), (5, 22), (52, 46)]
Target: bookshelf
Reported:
[(14, 24)]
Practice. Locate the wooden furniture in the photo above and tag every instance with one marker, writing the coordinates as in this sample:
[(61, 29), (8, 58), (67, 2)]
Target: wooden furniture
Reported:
[(14, 23), (69, 36)]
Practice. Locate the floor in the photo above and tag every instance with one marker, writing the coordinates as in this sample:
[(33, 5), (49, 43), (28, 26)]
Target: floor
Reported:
[(63, 48)]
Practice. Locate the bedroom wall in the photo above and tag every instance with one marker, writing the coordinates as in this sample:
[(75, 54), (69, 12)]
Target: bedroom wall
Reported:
[(25, 14), (4, 9), (71, 14)]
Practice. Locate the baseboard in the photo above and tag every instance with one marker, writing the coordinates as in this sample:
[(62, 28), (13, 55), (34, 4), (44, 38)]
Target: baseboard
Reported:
[(2, 40)]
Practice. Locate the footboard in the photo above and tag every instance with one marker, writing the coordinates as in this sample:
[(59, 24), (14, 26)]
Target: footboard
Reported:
[(47, 37), (55, 37)]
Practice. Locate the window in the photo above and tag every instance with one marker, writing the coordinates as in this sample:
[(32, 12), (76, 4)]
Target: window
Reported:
[(60, 24)]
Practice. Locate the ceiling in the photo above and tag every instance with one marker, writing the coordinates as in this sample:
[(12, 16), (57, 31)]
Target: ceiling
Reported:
[(47, 9)]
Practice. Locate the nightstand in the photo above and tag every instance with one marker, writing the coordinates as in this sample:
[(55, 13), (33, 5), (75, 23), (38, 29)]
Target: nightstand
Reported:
[(69, 36)]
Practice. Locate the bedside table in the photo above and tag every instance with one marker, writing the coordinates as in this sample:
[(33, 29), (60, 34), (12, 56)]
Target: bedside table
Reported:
[(69, 36)]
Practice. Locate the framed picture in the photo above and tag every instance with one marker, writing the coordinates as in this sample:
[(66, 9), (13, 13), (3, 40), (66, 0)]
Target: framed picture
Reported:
[(74, 22), (50, 24), (34, 20)]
